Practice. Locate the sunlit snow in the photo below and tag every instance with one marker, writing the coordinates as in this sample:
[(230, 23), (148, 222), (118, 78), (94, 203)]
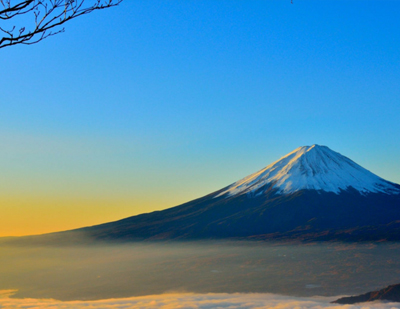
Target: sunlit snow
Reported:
[(314, 168)]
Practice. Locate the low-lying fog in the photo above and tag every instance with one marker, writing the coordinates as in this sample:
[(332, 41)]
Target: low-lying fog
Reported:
[(137, 269)]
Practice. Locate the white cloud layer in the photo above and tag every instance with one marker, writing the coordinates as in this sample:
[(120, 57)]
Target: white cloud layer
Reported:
[(190, 301)]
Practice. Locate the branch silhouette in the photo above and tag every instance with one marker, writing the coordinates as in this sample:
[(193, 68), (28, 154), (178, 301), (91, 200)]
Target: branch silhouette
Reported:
[(31, 21)]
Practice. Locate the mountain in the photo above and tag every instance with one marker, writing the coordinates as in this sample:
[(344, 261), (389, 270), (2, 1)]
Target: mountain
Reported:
[(390, 293), (311, 194)]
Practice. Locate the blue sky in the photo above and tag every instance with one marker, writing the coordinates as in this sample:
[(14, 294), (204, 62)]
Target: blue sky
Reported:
[(154, 103)]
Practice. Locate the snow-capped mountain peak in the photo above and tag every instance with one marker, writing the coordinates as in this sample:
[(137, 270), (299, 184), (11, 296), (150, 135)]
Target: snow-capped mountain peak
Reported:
[(312, 168)]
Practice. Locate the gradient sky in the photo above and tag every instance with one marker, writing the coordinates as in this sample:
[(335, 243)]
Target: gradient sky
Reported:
[(154, 103)]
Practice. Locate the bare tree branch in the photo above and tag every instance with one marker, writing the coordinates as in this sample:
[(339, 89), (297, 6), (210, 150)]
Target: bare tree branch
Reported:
[(47, 18)]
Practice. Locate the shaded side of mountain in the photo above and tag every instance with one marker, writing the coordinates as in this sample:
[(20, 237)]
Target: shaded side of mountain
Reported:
[(390, 293), (306, 215), (311, 194)]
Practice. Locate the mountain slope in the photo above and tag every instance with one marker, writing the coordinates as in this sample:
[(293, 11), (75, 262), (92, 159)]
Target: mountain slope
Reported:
[(311, 194), (390, 293), (348, 216)]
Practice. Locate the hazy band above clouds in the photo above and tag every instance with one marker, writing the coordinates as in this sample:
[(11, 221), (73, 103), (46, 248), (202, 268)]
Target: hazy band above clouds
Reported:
[(193, 301)]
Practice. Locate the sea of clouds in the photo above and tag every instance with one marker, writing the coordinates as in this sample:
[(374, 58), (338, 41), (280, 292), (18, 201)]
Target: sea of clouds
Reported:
[(188, 300)]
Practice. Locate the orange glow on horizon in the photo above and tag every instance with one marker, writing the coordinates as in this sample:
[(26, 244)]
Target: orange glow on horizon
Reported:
[(39, 215)]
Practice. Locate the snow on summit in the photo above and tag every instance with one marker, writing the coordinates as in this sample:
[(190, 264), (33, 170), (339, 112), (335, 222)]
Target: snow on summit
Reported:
[(313, 168)]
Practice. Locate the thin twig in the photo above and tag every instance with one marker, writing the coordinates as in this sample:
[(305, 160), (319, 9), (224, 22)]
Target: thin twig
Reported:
[(48, 16)]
